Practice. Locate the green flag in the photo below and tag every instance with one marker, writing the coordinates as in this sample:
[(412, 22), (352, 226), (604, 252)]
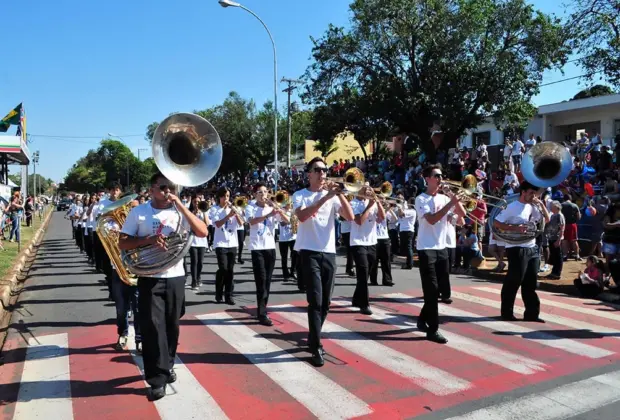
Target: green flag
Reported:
[(12, 118)]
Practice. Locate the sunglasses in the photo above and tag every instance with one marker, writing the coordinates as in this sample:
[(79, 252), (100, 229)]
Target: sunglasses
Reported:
[(438, 176), (319, 170)]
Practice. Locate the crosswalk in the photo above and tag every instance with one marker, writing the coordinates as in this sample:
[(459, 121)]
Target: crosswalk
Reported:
[(377, 367)]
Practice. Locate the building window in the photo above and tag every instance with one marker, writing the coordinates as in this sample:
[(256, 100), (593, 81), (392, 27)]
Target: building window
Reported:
[(483, 137)]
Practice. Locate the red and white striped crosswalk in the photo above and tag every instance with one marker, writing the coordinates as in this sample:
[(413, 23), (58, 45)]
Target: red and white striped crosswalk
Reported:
[(378, 366)]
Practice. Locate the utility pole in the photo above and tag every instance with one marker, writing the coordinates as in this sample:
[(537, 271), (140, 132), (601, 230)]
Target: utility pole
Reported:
[(35, 160), (139, 150), (291, 87)]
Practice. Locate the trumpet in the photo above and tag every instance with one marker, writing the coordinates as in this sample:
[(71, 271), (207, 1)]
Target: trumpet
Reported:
[(279, 199), (203, 206), (385, 190), (352, 181), (241, 202)]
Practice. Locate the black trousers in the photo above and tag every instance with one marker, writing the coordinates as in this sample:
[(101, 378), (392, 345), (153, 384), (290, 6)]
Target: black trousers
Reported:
[(406, 247), (263, 263), (365, 257), (99, 252), (241, 239), (523, 266), (434, 265), (556, 258), (211, 230), (88, 243), (318, 270), (384, 256), (284, 249), (395, 242), (196, 255), (161, 303), (224, 283), (79, 237), (346, 239)]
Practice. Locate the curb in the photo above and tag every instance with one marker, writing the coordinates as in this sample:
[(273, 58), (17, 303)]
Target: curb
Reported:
[(11, 286)]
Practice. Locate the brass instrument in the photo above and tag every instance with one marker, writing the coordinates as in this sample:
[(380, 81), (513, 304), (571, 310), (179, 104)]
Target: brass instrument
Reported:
[(385, 190), (281, 198), (203, 206), (109, 223), (294, 221), (241, 202), (188, 151), (353, 180), (546, 164)]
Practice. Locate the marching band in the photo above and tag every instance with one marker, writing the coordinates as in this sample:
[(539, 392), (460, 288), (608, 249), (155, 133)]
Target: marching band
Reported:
[(145, 264)]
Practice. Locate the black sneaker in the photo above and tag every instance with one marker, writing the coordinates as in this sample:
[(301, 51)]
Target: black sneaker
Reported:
[(121, 344), (157, 393), (230, 301), (446, 300), (317, 359), (172, 378), (365, 311), (436, 337), (265, 320)]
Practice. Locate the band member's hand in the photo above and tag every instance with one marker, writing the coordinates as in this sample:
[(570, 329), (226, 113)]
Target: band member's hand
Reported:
[(521, 228), (158, 240), (173, 199)]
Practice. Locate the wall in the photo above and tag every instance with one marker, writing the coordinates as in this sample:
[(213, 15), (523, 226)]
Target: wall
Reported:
[(347, 148), (583, 118), (497, 136)]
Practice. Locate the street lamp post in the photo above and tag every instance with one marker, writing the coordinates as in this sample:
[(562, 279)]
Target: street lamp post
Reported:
[(35, 160), (230, 3)]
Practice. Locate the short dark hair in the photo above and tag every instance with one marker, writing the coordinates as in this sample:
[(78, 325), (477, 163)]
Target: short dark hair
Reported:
[(155, 177), (426, 172), (259, 185), (526, 186), (221, 192), (313, 161), (115, 185)]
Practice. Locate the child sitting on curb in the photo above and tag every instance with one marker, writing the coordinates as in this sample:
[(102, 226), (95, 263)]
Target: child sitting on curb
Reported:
[(591, 283)]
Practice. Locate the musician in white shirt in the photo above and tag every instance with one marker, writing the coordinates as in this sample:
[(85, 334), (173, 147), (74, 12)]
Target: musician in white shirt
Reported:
[(523, 258), (226, 220), (433, 210), (102, 260), (368, 212), (345, 232), (161, 296), (384, 251), (406, 223), (316, 208), (262, 217), (287, 244)]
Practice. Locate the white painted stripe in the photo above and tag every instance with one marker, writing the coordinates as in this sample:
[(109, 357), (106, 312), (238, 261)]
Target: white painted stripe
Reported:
[(566, 401), (186, 398), (561, 305), (556, 319), (541, 337), (319, 394), (45, 388), (435, 380), (479, 349)]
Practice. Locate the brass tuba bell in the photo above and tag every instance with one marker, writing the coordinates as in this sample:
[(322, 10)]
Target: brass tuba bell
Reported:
[(187, 149), (546, 164)]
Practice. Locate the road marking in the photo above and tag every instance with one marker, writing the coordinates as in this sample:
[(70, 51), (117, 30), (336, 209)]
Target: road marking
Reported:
[(541, 337), (556, 319), (615, 306), (478, 349), (319, 394), (566, 401), (186, 398), (45, 388), (573, 308), (435, 380)]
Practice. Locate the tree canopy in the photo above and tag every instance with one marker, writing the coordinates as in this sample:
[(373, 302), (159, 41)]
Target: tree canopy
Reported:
[(595, 27), (113, 161), (593, 91), (44, 185), (405, 65)]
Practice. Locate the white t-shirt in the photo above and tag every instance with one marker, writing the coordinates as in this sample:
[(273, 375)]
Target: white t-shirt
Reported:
[(366, 233), (262, 234), (226, 235), (431, 236), (407, 222), (451, 231), (286, 233), (345, 226), (382, 227), (518, 213), (200, 242), (240, 211), (317, 233), (517, 146), (145, 220)]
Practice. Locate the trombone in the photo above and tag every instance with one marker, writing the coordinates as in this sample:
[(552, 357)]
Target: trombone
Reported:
[(279, 199), (352, 181)]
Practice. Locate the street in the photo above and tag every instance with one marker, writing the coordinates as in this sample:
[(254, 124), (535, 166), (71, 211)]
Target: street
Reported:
[(60, 361)]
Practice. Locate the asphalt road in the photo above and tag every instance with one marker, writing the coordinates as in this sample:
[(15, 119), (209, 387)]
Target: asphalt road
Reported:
[(64, 295)]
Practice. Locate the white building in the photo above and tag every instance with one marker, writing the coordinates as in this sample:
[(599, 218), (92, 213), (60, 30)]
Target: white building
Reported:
[(561, 121)]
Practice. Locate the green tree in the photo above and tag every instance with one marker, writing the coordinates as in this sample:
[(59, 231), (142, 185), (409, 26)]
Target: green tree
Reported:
[(413, 63), (595, 29), (593, 91)]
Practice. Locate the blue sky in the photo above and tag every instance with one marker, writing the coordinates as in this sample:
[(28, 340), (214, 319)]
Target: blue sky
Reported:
[(87, 68)]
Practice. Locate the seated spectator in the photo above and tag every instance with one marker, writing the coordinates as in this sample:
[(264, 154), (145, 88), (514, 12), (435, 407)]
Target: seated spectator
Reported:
[(590, 283)]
